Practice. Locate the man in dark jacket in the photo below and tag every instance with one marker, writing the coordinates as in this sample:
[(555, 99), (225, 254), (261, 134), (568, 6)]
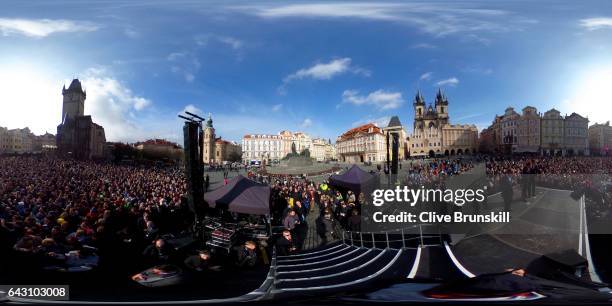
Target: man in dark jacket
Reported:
[(198, 262), (247, 255), (158, 253), (285, 245)]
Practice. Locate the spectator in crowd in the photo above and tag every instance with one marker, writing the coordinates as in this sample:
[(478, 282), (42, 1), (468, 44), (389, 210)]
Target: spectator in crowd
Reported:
[(247, 255), (158, 252), (291, 220), (285, 244), (198, 262)]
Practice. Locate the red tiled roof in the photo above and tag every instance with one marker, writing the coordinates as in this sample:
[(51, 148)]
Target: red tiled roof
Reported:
[(361, 129)]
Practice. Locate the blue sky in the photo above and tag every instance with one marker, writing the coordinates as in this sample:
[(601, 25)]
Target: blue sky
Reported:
[(318, 67)]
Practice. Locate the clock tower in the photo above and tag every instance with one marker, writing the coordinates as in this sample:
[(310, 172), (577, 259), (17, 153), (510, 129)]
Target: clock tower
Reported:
[(74, 101)]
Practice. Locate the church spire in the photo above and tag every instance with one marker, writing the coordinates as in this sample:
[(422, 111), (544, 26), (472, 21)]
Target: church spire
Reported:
[(418, 99), (209, 122), (440, 97)]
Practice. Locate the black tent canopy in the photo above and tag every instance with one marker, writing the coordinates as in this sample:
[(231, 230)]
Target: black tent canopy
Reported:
[(241, 195), (354, 179)]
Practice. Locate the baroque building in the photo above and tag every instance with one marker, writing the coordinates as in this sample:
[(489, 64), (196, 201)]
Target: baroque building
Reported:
[(600, 139), (364, 143), (18, 141), (509, 130), (547, 134), (528, 130), (322, 150), (77, 135), (433, 135), (576, 135), (274, 147), (218, 150), (552, 132)]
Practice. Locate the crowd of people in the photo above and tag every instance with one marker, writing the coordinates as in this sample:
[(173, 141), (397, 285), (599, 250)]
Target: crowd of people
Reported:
[(294, 198), (50, 206), (582, 175), (433, 172)]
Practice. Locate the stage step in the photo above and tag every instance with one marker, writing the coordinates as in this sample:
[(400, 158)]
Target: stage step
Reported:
[(356, 261), (353, 252), (390, 264)]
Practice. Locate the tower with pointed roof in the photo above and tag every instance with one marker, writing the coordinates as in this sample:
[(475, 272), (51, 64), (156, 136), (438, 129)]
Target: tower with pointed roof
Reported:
[(77, 135), (74, 100), (441, 105), (419, 105), (209, 140)]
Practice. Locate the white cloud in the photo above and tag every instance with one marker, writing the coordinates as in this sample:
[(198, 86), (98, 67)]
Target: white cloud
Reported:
[(232, 42), (324, 71), (380, 121), (438, 19), (598, 23), (175, 56), (125, 116), (426, 76), (110, 103), (277, 107), (469, 116), (477, 70), (380, 99), (423, 46), (42, 27), (306, 123), (185, 64), (450, 82), (131, 32), (192, 109)]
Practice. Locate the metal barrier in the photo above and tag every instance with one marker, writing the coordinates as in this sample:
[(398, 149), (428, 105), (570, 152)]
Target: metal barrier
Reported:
[(364, 239)]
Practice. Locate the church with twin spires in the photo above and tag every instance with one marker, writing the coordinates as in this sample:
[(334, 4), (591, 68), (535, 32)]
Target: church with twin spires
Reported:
[(433, 135)]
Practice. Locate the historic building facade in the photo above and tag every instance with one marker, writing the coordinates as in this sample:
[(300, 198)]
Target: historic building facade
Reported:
[(433, 135), (159, 149), (24, 141), (552, 132), (459, 139), (600, 139), (16, 140), (548, 134), (301, 140), (528, 130), (330, 151), (509, 130), (321, 150), (274, 147), (364, 143), (77, 135), (218, 150), (260, 147), (576, 135)]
